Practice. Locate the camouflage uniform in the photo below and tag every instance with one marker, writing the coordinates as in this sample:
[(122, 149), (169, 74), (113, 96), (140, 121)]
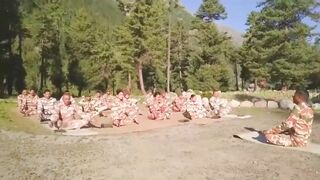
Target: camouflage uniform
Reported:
[(148, 99), (107, 100), (132, 110), (295, 131), (22, 103), (119, 112), (87, 105), (99, 104), (69, 116), (219, 106), (31, 105), (159, 109), (195, 109), (179, 105), (46, 108)]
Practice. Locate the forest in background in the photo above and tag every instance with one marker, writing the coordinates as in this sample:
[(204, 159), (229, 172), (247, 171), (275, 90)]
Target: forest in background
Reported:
[(85, 45)]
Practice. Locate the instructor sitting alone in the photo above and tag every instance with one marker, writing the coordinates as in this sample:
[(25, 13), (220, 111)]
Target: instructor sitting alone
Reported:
[(296, 130)]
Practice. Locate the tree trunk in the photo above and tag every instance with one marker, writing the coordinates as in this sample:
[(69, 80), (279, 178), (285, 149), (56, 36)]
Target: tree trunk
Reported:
[(41, 73), (237, 78), (180, 60), (255, 84), (169, 52), (79, 91), (129, 82), (141, 78)]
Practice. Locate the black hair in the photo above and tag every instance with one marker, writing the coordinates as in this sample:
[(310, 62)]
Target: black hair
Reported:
[(192, 95), (303, 93), (119, 91), (46, 90), (156, 94)]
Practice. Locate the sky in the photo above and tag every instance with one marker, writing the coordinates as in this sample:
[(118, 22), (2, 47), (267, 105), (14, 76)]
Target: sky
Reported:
[(238, 11)]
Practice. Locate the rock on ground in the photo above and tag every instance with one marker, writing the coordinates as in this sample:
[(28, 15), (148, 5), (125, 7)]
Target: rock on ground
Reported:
[(247, 104), (286, 104), (273, 104), (260, 104)]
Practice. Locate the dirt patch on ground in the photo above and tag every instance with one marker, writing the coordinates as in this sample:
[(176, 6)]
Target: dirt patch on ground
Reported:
[(187, 151)]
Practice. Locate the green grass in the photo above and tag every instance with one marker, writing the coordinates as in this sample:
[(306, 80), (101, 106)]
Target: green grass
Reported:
[(241, 96), (11, 120)]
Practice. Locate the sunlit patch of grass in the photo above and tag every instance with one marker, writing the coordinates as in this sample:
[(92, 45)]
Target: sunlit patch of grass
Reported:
[(11, 120)]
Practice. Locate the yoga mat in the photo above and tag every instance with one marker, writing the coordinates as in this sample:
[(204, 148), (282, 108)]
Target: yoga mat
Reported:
[(237, 116), (80, 132), (259, 138), (77, 132)]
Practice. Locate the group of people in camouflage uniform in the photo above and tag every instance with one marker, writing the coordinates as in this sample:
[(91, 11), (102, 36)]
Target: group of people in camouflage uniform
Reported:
[(67, 114)]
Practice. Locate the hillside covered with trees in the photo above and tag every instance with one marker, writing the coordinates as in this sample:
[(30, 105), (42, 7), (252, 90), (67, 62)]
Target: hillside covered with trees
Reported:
[(82, 45)]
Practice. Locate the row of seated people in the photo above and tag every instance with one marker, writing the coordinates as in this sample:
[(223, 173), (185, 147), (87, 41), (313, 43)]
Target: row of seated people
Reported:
[(68, 114), (192, 106)]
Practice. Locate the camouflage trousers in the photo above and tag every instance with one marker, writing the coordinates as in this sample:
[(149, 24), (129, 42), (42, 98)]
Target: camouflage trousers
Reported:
[(279, 139)]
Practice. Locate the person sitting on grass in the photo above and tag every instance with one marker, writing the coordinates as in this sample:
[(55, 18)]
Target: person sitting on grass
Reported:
[(87, 104), (119, 109), (46, 106), (194, 108), (296, 130), (100, 105), (68, 116), (218, 105), (22, 99), (31, 103), (178, 105), (132, 110), (159, 110)]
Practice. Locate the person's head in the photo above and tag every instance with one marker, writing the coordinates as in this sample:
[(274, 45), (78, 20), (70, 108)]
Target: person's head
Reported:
[(47, 94), (120, 94), (193, 98), (32, 92), (216, 93), (300, 96), (98, 93), (149, 91), (108, 93), (66, 98), (126, 94), (157, 95), (24, 92), (87, 98)]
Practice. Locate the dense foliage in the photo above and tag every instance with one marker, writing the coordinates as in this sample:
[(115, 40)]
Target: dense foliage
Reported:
[(150, 44)]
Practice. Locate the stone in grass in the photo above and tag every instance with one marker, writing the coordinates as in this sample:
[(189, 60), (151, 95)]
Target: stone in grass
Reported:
[(286, 104), (234, 103), (273, 104), (247, 104), (260, 104), (316, 106)]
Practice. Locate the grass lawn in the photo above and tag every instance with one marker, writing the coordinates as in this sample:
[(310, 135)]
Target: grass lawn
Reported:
[(11, 120)]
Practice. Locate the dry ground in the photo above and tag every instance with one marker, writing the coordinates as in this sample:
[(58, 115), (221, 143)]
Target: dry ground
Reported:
[(176, 151)]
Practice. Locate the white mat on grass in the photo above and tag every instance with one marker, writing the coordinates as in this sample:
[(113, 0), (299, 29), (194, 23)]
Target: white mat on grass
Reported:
[(77, 132), (80, 132), (259, 138), (237, 116)]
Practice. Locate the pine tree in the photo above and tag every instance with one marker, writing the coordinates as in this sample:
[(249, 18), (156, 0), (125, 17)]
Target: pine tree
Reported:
[(278, 48), (80, 45), (143, 28)]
